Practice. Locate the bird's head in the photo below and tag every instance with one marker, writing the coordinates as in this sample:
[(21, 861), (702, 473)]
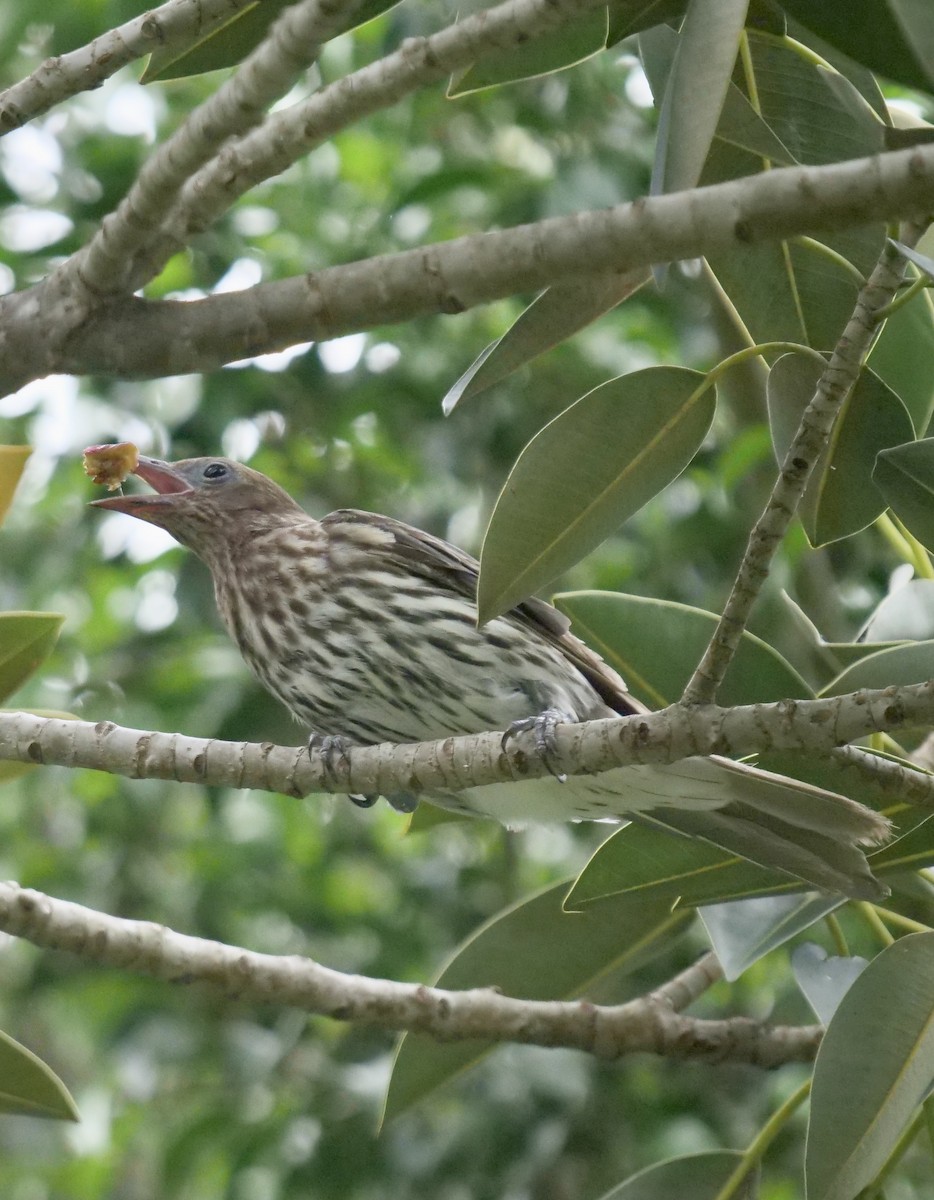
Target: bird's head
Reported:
[(205, 502)]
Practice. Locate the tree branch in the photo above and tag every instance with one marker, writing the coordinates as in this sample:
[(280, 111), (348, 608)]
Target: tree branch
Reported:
[(650, 1023), (815, 726), (289, 135), (179, 23), (838, 378), (103, 267), (138, 338)]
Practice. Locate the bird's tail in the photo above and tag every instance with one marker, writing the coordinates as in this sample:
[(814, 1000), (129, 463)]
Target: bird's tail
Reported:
[(775, 821)]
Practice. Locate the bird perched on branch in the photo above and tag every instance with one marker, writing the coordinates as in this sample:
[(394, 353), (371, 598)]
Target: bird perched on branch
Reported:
[(365, 628)]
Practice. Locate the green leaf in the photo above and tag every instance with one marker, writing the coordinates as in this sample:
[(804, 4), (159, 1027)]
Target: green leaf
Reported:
[(873, 1069), (741, 125), (628, 17), (694, 1176), (30, 1088), (26, 638), (12, 461), (901, 356), (540, 952), (556, 50), (905, 615), (793, 291), (695, 91), (743, 931), (891, 37), (905, 476), (639, 860), (911, 662), (822, 661), (582, 475), (550, 319), (823, 980), (228, 44), (840, 498), (654, 645)]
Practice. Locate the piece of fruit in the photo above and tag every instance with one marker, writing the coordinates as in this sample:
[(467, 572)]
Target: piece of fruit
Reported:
[(111, 464)]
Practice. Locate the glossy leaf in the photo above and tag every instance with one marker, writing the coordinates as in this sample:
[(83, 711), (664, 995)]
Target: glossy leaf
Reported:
[(792, 291), (819, 660), (549, 320), (228, 44), (890, 37), (26, 639), (655, 644), (905, 615), (12, 461), (640, 860), (825, 980), (741, 125), (695, 91), (741, 932), (556, 50), (901, 355), (30, 1088), (582, 475), (873, 1069), (911, 662), (628, 17), (698, 1176), (840, 498), (905, 476), (538, 951)]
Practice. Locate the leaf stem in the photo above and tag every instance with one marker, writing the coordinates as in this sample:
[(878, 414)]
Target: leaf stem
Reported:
[(754, 1152), (900, 921), (875, 922), (836, 932), (919, 285)]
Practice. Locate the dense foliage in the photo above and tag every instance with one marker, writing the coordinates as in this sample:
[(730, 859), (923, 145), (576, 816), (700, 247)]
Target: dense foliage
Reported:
[(187, 1093)]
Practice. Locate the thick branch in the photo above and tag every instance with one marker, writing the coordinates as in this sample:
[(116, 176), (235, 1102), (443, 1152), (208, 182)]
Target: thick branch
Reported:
[(650, 1023), (136, 338), (838, 378), (814, 726)]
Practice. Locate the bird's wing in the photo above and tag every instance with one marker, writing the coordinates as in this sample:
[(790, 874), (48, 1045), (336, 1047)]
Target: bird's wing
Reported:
[(449, 567)]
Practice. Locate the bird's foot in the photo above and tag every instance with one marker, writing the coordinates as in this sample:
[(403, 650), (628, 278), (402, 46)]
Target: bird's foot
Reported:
[(334, 750), (543, 725)]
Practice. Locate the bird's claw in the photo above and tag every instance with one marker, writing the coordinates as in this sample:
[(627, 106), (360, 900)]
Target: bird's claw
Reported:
[(403, 802), (543, 725), (333, 749)]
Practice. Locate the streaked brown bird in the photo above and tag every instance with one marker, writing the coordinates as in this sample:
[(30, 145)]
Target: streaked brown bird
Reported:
[(365, 628)]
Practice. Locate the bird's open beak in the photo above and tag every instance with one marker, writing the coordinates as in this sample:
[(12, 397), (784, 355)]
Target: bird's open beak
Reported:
[(161, 476)]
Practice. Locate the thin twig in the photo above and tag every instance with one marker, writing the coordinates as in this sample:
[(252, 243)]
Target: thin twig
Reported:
[(838, 378), (289, 48), (177, 24)]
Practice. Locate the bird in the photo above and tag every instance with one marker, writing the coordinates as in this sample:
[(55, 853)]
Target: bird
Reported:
[(366, 629)]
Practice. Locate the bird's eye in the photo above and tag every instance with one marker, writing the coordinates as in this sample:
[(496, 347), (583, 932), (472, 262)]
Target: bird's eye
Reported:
[(214, 470)]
